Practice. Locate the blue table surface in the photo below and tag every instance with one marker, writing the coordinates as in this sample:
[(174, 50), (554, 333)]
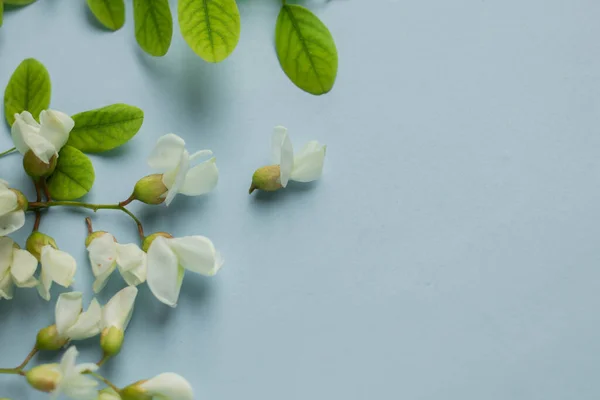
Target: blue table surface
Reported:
[(450, 250)]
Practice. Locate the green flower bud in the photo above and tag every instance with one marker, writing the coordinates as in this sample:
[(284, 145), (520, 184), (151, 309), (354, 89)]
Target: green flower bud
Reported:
[(150, 189), (111, 341), (149, 239), (266, 178), (44, 378), (36, 168), (36, 241), (48, 339), (23, 203), (95, 235), (135, 392)]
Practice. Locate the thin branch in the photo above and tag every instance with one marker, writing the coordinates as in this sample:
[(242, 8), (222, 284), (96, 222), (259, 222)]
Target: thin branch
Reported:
[(7, 152)]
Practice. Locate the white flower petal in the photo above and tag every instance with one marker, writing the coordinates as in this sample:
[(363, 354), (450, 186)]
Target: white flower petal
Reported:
[(200, 179), (59, 265), (41, 147), (24, 125), (6, 254), (67, 363), (196, 253), (67, 310), (8, 200), (163, 272), (56, 127), (169, 386), (6, 286), (23, 267), (117, 312), (11, 222), (283, 153), (88, 323), (200, 154), (308, 165), (167, 152), (179, 178), (102, 253), (132, 264), (44, 285)]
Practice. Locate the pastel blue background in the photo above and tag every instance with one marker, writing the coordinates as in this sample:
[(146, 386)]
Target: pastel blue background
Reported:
[(450, 251)]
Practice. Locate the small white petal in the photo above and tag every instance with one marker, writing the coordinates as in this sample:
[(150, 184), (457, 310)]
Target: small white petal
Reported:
[(163, 272), (8, 200), (103, 259), (308, 165), (117, 312), (55, 127), (67, 310), (175, 183), (87, 324), (196, 253), (41, 147), (67, 362), (283, 153), (24, 125), (132, 264), (6, 254), (200, 179), (59, 265), (169, 386), (167, 153), (11, 222), (6, 286), (23, 268), (44, 285)]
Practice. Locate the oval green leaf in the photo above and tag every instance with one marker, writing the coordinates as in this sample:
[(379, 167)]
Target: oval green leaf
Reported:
[(73, 177), (306, 49), (28, 89), (210, 27), (1, 11), (19, 2), (105, 128), (153, 25), (110, 13)]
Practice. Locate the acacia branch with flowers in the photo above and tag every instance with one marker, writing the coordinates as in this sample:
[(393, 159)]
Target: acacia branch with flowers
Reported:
[(54, 156)]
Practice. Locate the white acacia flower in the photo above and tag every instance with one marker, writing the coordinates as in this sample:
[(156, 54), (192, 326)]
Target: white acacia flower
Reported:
[(170, 157), (106, 254), (168, 258), (57, 266), (71, 379), (44, 139), (305, 166), (119, 309), (16, 268), (166, 386), (12, 217), (74, 324)]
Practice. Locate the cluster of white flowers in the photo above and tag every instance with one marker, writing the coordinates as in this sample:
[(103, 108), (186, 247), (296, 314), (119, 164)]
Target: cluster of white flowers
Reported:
[(161, 260)]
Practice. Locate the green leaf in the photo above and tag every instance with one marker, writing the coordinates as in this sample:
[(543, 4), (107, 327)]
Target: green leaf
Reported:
[(73, 177), (110, 13), (19, 2), (28, 89), (306, 49), (105, 128), (210, 27), (1, 11), (153, 25)]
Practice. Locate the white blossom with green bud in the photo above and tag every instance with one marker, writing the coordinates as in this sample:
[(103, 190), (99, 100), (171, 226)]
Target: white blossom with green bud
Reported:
[(168, 385), (171, 158), (57, 266), (17, 268), (106, 254), (44, 139), (12, 209), (67, 378), (169, 258), (116, 315), (306, 166)]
